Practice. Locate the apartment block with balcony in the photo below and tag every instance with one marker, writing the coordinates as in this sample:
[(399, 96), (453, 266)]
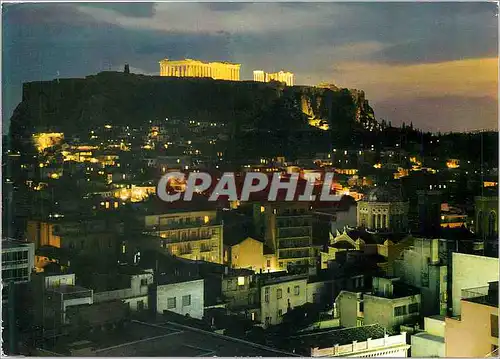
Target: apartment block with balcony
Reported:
[(279, 295), (18, 258), (130, 285), (390, 303), (57, 292), (475, 332), (421, 266), (195, 235), (287, 229)]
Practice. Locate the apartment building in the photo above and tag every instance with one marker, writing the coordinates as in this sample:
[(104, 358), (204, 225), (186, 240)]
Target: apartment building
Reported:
[(279, 294), (18, 258), (390, 303), (287, 229), (475, 332), (195, 235)]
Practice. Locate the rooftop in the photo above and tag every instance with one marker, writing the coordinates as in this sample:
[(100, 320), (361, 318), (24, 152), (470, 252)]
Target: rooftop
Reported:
[(166, 339), (330, 338)]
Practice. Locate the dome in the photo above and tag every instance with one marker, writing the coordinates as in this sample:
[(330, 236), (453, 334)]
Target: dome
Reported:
[(387, 193)]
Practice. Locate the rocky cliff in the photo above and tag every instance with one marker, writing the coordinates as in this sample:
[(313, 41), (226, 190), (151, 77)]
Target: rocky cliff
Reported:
[(73, 105)]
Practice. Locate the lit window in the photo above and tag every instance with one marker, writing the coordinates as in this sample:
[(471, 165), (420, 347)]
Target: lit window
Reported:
[(241, 280), (262, 209), (206, 219)]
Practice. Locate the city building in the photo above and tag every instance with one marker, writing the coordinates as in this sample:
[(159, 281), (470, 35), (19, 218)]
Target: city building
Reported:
[(363, 342), (279, 295), (190, 234), (183, 296), (18, 261), (390, 303), (281, 76), (252, 254), (240, 292), (452, 217), (196, 68), (429, 208), (470, 271), (386, 246), (383, 208), (156, 338), (475, 332), (486, 215), (287, 230), (429, 343), (131, 285), (57, 292), (420, 266)]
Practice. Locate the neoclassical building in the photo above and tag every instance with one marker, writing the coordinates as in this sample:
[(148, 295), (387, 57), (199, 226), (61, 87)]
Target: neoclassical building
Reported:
[(196, 68), (281, 76), (384, 209), (486, 221)]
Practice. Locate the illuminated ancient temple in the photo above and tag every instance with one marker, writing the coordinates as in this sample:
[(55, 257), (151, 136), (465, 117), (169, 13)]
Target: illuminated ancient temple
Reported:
[(281, 76), (196, 68)]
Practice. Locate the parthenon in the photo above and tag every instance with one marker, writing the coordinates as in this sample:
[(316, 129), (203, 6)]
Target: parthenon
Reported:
[(196, 68), (281, 76)]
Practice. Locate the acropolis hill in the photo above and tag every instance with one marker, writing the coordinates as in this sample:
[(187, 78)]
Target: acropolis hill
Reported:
[(117, 98)]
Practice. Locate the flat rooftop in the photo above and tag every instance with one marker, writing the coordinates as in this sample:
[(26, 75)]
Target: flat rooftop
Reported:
[(331, 337), (431, 337), (168, 339)]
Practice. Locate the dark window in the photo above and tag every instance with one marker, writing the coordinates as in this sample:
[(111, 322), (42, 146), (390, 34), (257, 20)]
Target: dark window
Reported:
[(288, 290), (399, 311), (268, 264), (413, 308), (266, 294), (140, 305), (361, 306), (144, 282), (296, 290), (280, 312), (494, 325), (171, 303), (186, 300), (279, 293)]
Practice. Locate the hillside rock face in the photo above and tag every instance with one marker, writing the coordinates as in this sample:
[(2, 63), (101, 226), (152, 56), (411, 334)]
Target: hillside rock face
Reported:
[(75, 105)]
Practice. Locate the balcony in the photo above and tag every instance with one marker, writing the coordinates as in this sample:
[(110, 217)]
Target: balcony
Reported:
[(201, 237), (301, 231), (305, 242)]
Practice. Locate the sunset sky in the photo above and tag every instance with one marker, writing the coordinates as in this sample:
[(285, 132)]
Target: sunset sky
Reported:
[(435, 64)]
